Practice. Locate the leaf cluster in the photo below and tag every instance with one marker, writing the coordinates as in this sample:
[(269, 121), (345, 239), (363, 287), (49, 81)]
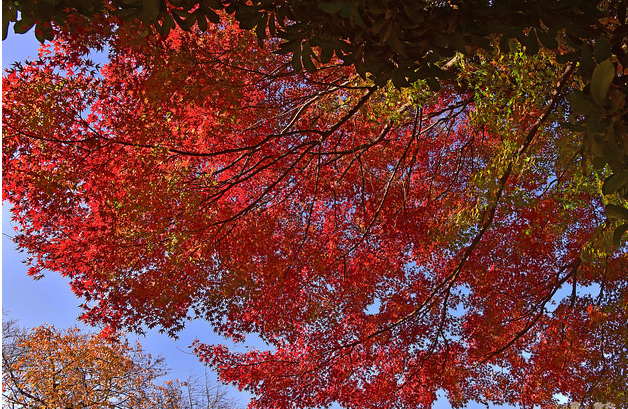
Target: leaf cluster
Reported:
[(402, 41), (602, 106)]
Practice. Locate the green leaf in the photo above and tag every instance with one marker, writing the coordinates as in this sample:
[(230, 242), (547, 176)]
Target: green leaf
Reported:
[(271, 24), (188, 22), (150, 11), (618, 100), (504, 44), (248, 20), (413, 12), (212, 16), (598, 149), (214, 4), (201, 21), (398, 47), (307, 63), (23, 25), (601, 80), (356, 18), (619, 233), (602, 49), (378, 25), (169, 23), (126, 14), (380, 79), (296, 62), (615, 182), (547, 39), (433, 84), (327, 51), (399, 80), (306, 58), (616, 212), (599, 163), (384, 35), (531, 43), (573, 127), (457, 43), (9, 13), (260, 29), (164, 28), (377, 6), (587, 63), (568, 57), (288, 47), (481, 42), (580, 103)]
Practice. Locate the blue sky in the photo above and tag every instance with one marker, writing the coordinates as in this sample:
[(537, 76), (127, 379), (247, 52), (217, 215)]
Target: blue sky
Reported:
[(50, 299)]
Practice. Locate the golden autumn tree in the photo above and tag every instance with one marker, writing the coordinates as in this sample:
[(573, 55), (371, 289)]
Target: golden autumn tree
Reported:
[(50, 368)]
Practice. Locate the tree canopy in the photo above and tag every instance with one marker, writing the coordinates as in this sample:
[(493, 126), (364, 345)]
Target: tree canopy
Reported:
[(51, 368), (384, 242)]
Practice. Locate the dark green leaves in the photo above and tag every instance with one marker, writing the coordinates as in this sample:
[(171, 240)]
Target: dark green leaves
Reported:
[(166, 25), (602, 49), (43, 31), (150, 11), (619, 233), (9, 13), (615, 182), (260, 29), (201, 22), (531, 43), (616, 212), (601, 80), (306, 58), (547, 38), (605, 142), (433, 84), (249, 19), (23, 25), (580, 103), (383, 40)]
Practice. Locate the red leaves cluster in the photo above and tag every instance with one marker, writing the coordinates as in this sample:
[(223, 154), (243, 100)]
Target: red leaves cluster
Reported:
[(384, 244)]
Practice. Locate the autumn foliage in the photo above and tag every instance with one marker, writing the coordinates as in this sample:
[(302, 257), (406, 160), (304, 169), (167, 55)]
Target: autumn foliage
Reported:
[(384, 244), (47, 367), (52, 368)]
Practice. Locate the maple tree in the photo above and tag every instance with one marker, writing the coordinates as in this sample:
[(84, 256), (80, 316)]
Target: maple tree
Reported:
[(51, 368), (384, 243)]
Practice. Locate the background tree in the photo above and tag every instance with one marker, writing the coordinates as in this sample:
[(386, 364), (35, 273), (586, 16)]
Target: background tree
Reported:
[(194, 393), (51, 368), (385, 243)]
